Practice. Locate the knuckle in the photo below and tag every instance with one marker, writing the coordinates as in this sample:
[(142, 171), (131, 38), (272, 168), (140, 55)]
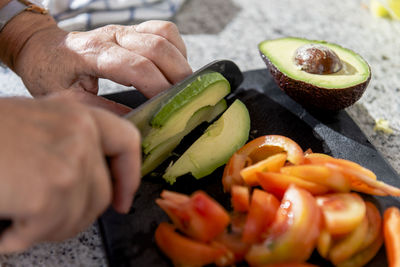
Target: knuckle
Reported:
[(168, 28), (159, 44)]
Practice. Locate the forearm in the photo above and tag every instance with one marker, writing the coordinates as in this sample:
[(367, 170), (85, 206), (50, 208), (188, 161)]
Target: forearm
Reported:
[(17, 32)]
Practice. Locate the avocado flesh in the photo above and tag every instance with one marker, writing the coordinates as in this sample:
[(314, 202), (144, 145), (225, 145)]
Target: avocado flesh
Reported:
[(329, 91), (215, 146), (160, 153), (207, 90), (192, 91)]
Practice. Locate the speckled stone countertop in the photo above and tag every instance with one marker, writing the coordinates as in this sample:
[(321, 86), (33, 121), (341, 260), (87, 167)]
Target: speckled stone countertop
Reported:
[(231, 29)]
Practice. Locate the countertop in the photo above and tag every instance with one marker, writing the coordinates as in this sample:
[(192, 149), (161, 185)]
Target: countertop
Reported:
[(231, 29)]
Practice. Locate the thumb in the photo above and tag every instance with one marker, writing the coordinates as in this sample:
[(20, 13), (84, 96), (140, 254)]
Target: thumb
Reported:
[(94, 100), (12, 241)]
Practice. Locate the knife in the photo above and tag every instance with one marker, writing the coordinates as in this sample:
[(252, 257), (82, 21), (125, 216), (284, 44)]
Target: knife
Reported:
[(142, 115)]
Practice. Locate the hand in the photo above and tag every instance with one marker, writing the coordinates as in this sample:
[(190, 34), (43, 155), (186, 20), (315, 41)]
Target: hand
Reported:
[(150, 56), (54, 179)]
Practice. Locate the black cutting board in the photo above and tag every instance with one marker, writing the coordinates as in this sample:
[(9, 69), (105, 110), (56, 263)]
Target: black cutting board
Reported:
[(129, 239)]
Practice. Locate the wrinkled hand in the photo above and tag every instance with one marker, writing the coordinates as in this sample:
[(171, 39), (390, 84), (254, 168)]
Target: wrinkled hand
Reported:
[(55, 180), (150, 56)]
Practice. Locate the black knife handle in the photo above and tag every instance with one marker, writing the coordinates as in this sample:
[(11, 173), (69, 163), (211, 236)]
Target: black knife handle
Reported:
[(4, 224)]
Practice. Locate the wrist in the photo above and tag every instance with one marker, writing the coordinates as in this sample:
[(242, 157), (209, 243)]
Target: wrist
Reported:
[(18, 31)]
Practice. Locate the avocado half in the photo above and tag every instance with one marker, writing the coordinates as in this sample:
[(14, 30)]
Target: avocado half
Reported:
[(332, 91)]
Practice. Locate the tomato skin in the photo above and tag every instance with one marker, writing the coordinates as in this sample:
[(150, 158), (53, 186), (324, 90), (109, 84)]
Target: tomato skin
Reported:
[(233, 242), (278, 183), (342, 212), (185, 251), (374, 224), (362, 257), (271, 164), (198, 216), (256, 150), (240, 198), (291, 264), (296, 225), (350, 244), (321, 175), (261, 213), (231, 175), (324, 243), (391, 230)]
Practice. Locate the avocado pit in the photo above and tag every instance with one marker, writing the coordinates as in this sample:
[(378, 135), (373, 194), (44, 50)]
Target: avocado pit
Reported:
[(317, 59)]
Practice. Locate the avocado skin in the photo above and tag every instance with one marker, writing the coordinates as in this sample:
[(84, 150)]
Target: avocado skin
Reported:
[(311, 96)]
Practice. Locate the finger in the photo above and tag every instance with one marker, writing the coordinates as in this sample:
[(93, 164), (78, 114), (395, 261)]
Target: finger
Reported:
[(120, 141), (94, 100), (165, 29), (159, 50), (128, 68), (11, 240)]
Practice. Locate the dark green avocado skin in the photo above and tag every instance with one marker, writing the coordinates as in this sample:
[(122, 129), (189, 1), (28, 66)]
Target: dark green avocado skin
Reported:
[(311, 96)]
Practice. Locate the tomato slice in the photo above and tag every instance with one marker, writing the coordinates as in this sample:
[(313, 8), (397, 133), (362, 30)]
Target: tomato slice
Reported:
[(291, 264), (349, 245), (391, 230), (271, 164), (342, 212), (374, 224), (240, 198), (293, 234), (262, 212), (363, 257), (324, 243), (319, 174), (257, 150), (233, 242), (278, 183), (198, 216), (184, 251), (361, 179)]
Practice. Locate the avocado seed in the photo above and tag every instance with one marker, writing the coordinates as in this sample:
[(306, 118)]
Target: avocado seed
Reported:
[(317, 59)]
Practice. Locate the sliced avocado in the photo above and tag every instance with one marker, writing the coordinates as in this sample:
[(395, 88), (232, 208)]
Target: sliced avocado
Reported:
[(206, 90), (161, 152), (330, 90), (214, 148)]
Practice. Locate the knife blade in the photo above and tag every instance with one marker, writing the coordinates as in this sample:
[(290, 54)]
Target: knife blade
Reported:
[(142, 115)]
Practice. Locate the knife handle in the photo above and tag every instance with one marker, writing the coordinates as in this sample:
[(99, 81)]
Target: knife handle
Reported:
[(4, 224)]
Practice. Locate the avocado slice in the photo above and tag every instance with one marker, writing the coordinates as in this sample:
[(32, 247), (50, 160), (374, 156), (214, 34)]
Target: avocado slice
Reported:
[(161, 152), (214, 148), (327, 90), (171, 119)]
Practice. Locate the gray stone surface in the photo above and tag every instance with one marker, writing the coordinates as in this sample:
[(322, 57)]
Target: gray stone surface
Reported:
[(231, 29)]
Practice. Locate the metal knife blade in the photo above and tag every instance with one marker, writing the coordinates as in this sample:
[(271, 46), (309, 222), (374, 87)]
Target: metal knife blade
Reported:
[(142, 115)]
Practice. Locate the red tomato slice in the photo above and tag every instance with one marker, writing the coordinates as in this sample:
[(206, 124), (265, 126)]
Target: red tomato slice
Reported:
[(342, 212), (198, 216), (291, 264), (391, 230), (262, 212), (324, 243), (257, 150), (233, 242), (374, 224), (240, 198), (350, 244), (293, 234), (278, 183), (319, 174), (363, 257), (271, 164), (184, 251)]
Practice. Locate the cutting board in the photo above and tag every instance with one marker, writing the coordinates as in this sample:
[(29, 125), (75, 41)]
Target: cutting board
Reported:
[(129, 239)]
